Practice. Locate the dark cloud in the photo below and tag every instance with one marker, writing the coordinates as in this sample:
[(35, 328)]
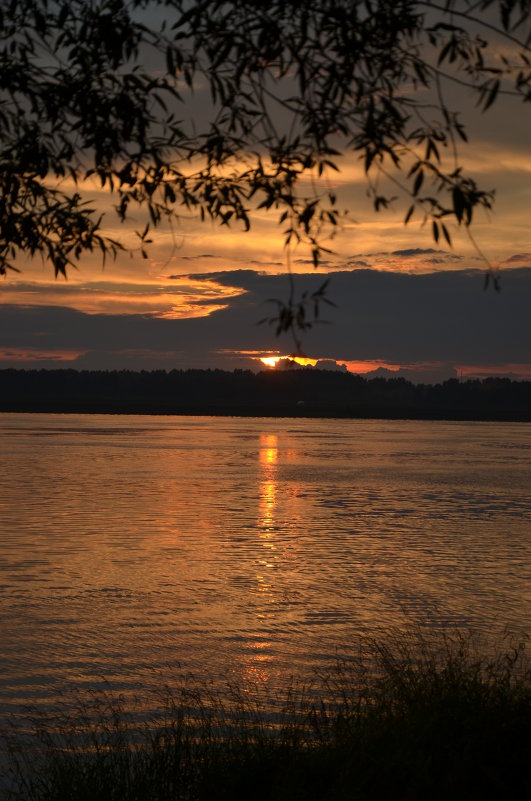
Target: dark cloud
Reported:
[(425, 255), (351, 263), (447, 259), (415, 252), (443, 317), (259, 262), (330, 364), (519, 258), (268, 263), (322, 262), (195, 258)]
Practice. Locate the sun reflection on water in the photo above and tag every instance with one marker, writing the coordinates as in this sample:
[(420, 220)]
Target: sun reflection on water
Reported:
[(256, 662), (268, 458), (268, 453)]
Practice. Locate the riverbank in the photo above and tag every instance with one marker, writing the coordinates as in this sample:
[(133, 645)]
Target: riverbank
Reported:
[(435, 721), (288, 393), (233, 410)]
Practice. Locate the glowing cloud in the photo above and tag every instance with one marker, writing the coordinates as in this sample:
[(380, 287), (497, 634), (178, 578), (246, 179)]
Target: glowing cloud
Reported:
[(273, 361)]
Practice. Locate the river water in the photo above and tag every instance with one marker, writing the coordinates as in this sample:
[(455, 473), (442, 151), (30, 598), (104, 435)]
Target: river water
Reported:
[(134, 548)]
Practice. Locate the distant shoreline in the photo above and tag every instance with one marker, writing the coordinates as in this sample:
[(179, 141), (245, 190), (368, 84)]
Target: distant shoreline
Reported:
[(306, 412), (276, 394)]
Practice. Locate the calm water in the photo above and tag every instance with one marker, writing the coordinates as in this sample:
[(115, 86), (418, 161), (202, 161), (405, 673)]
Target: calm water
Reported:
[(134, 548)]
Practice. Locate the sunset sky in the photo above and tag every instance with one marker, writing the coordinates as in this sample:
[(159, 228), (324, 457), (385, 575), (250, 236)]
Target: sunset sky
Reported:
[(402, 302)]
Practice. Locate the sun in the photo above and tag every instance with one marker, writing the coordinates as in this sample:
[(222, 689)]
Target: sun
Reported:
[(272, 361)]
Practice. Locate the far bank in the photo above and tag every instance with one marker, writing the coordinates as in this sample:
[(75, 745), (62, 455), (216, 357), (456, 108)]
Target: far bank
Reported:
[(289, 393)]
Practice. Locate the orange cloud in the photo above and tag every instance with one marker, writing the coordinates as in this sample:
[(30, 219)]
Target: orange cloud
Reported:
[(179, 299), (35, 355)]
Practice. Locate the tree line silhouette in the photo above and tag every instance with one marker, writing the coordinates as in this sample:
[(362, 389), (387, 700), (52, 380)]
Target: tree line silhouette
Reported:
[(301, 392)]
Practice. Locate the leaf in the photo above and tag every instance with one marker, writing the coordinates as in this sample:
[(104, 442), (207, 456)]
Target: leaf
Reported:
[(418, 182), (461, 132), (459, 203), (369, 158), (63, 14), (492, 95), (431, 147), (445, 52), (409, 214)]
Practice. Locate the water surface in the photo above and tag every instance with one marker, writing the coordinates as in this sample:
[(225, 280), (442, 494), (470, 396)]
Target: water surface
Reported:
[(135, 548)]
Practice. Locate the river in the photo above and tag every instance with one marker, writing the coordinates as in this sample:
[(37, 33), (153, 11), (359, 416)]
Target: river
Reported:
[(137, 548)]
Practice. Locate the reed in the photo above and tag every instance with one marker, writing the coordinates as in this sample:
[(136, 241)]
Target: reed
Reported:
[(439, 719)]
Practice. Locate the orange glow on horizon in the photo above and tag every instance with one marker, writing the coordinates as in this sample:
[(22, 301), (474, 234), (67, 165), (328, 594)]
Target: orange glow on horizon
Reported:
[(19, 354), (273, 361), (353, 366), (361, 367)]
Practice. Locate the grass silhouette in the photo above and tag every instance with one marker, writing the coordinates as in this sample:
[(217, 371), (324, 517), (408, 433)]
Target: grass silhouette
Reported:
[(439, 719)]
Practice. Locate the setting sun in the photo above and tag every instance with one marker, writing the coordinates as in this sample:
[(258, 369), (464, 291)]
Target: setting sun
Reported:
[(272, 361)]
